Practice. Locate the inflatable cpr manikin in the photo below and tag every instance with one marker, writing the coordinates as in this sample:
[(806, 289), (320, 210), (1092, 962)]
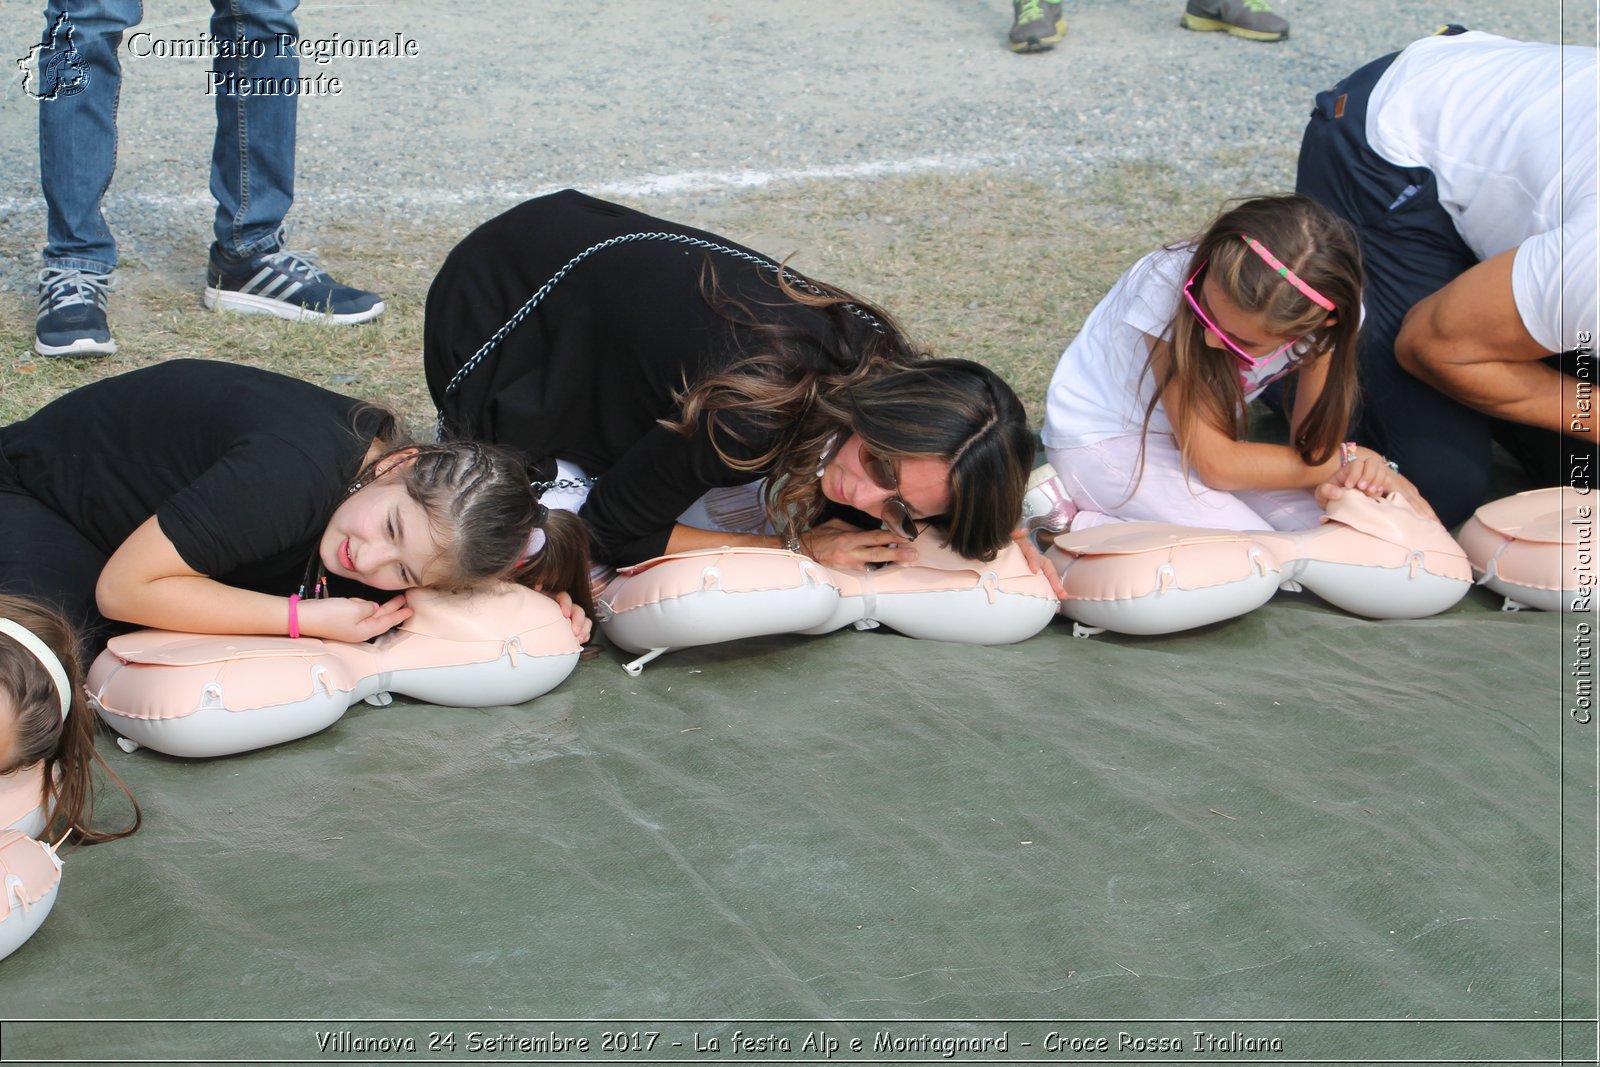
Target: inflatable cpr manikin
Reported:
[(713, 595), (204, 695), (1536, 549), (30, 873), (1377, 558)]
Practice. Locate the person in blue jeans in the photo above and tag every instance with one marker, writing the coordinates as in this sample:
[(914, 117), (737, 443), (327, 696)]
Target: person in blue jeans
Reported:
[(79, 81)]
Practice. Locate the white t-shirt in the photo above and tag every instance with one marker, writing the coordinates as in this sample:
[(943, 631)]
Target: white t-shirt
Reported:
[(1101, 388), (1508, 130)]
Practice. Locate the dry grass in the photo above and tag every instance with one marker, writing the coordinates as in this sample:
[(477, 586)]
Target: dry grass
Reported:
[(991, 267), (987, 265)]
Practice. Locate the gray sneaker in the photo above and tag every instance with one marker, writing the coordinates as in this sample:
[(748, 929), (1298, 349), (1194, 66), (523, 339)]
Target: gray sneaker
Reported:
[(1251, 19), (1037, 25)]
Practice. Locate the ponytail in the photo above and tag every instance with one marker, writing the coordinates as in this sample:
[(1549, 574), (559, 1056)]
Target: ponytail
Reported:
[(561, 564)]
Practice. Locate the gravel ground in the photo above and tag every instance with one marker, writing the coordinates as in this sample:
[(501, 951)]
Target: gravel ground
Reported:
[(700, 100)]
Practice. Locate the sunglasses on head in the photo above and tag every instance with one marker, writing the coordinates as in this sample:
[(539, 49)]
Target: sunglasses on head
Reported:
[(1251, 362), (896, 512)]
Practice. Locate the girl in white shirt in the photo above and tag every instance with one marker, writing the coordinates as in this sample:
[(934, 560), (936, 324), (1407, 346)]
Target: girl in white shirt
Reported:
[(1148, 408)]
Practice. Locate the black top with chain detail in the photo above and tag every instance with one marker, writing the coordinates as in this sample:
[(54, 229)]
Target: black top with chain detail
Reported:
[(586, 374), (241, 467)]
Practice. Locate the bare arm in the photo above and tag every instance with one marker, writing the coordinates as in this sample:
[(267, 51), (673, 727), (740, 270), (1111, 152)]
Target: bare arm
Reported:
[(1308, 381), (1468, 341), (834, 544), (146, 582), (1230, 465)]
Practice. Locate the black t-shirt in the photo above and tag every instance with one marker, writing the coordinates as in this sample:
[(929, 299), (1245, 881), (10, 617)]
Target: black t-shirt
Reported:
[(242, 467), (587, 373)]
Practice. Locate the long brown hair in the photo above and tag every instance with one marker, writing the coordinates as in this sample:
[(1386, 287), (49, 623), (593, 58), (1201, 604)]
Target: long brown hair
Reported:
[(1323, 251), (65, 746), (903, 403)]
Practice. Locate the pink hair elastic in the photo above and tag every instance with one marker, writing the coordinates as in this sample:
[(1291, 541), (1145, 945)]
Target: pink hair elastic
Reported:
[(1288, 275)]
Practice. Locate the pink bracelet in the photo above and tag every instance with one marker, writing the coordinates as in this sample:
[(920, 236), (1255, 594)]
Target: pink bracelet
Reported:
[(294, 614), (1347, 453)]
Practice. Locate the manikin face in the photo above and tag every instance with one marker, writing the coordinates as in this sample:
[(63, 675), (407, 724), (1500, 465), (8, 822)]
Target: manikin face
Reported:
[(382, 538), (924, 484)]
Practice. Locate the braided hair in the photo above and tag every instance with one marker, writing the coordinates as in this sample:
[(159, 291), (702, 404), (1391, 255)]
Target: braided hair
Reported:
[(483, 509)]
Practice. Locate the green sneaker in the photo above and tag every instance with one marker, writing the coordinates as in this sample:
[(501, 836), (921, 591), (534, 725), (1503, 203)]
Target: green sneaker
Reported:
[(1037, 26), (1251, 19)]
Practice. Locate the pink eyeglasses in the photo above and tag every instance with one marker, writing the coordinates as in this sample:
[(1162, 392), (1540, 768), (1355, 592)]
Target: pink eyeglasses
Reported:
[(1252, 362)]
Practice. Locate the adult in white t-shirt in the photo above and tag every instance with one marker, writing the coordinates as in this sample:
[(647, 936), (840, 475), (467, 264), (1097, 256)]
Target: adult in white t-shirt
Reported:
[(1467, 164)]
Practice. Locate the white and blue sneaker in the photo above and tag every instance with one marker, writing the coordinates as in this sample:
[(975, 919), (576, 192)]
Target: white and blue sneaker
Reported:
[(72, 314), (289, 285)]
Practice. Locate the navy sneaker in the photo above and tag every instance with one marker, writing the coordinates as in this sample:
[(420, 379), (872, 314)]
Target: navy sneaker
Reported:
[(72, 314), (289, 285)]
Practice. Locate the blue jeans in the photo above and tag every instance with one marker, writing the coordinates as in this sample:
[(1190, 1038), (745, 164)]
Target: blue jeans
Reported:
[(252, 163)]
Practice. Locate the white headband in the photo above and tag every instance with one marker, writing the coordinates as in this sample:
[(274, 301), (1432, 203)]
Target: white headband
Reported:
[(41, 652)]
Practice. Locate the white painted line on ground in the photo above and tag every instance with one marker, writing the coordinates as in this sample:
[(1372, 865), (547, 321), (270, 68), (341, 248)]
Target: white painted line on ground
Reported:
[(649, 185)]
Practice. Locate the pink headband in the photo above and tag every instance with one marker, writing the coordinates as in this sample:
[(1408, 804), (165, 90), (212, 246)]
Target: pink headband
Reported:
[(1288, 275)]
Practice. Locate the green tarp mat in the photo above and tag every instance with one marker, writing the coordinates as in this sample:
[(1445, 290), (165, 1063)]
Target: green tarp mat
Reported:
[(1367, 841)]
